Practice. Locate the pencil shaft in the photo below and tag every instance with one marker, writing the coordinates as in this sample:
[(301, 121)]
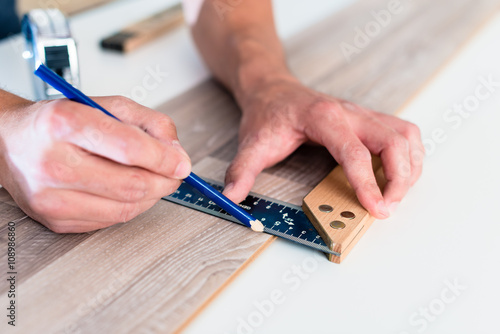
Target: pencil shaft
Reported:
[(67, 89), (219, 199)]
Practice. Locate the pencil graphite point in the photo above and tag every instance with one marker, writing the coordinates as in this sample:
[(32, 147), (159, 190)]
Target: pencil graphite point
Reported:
[(257, 226)]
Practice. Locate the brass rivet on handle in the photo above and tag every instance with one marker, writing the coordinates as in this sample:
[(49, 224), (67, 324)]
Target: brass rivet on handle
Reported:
[(337, 224), (325, 208), (348, 215)]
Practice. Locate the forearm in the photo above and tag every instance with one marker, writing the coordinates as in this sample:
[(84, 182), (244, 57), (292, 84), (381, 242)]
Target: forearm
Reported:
[(11, 110), (241, 46), (9, 101)]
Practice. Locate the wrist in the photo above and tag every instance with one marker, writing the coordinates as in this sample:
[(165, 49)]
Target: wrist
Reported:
[(257, 68), (10, 108)]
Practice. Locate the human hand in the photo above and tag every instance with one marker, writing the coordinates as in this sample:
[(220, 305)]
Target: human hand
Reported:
[(75, 169), (280, 115)]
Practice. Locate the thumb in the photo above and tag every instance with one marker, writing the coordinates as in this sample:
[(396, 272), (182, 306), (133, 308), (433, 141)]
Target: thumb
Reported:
[(241, 174)]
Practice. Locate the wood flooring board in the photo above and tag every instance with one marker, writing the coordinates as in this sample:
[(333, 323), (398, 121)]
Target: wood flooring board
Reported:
[(206, 117), (6, 198), (400, 59), (36, 246), (84, 283), (8, 213), (406, 69), (298, 165), (155, 272), (173, 286), (315, 51)]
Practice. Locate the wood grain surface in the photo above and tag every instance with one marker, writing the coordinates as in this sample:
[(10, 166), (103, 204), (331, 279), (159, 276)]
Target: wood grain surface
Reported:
[(342, 224), (153, 274), (66, 6)]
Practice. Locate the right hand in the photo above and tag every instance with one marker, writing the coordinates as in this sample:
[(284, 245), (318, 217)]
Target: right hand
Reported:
[(280, 115), (75, 169)]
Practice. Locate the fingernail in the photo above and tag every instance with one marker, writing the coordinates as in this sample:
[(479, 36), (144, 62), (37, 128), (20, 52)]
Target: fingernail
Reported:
[(183, 169), (383, 210), (393, 207), (177, 145)]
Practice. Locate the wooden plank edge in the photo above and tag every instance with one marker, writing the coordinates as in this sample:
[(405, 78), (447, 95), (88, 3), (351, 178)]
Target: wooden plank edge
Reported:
[(226, 283), (460, 49)]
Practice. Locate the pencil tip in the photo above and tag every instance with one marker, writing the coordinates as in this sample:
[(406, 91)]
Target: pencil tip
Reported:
[(257, 226)]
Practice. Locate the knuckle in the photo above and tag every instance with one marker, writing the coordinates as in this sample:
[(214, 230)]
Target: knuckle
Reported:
[(122, 101), (348, 105), (174, 186), (412, 131), (165, 123), (57, 172), (170, 187), (134, 189), (131, 146), (58, 227), (128, 211), (417, 156), (366, 185), (325, 109), (120, 104), (163, 160), (404, 172), (263, 136), (238, 166), (355, 153), (55, 115), (45, 205), (235, 167), (398, 142), (416, 175)]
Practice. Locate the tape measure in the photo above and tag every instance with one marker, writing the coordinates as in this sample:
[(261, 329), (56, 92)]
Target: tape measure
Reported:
[(279, 218), (49, 42)]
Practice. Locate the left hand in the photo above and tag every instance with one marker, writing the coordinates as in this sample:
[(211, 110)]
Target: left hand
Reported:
[(283, 114)]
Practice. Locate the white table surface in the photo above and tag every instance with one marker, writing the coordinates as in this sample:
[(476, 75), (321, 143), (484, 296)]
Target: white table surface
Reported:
[(444, 233)]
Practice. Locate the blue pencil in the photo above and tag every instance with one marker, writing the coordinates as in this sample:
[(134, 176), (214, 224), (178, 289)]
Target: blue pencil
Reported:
[(193, 180)]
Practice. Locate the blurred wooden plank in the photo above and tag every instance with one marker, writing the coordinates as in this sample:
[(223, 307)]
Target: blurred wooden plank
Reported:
[(67, 7), (156, 271), (398, 61)]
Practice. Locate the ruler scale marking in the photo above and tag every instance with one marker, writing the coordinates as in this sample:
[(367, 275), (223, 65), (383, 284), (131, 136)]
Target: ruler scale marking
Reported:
[(281, 219)]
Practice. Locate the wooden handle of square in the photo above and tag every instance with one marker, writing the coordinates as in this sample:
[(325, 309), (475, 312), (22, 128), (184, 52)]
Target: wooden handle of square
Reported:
[(347, 221)]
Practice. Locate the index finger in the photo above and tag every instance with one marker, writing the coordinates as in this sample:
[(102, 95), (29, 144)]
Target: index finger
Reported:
[(156, 124), (102, 135), (355, 160)]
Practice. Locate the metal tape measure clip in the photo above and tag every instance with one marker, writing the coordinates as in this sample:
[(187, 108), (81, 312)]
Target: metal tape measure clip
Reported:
[(49, 42)]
